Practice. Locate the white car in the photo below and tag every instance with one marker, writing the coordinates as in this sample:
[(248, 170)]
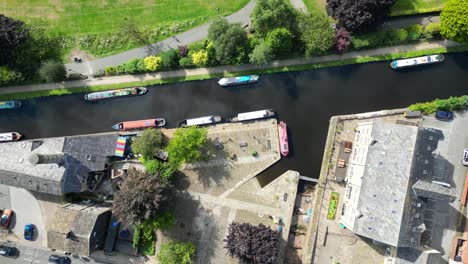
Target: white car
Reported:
[(465, 157)]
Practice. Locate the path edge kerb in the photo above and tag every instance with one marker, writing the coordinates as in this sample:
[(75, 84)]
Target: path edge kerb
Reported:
[(328, 150)]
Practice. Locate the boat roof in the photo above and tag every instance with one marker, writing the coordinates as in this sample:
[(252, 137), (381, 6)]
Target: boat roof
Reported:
[(6, 136), (252, 115), (200, 121), (414, 61)]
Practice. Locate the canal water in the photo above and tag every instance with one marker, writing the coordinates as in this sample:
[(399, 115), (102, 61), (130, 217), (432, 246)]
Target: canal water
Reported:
[(304, 100)]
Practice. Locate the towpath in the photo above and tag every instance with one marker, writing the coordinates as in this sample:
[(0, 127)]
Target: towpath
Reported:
[(226, 69)]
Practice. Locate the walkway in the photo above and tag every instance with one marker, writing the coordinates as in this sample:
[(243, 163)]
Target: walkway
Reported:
[(226, 69), (195, 34), (299, 5), (404, 21)]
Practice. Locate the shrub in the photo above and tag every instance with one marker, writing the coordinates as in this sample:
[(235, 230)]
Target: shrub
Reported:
[(176, 252), (261, 54), (450, 104), (152, 63), (151, 166), (183, 51), (342, 40), (186, 62), (415, 32), (200, 58), (8, 77), (197, 46), (454, 20), (280, 41), (432, 30), (396, 35), (109, 70), (131, 66), (169, 59), (52, 71)]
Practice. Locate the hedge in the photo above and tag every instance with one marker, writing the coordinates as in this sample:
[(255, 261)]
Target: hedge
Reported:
[(450, 104)]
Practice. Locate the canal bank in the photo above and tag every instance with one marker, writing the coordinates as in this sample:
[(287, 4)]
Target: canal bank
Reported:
[(297, 64)]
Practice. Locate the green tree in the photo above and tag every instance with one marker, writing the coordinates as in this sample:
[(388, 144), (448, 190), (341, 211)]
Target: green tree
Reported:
[(280, 41), (169, 59), (261, 54), (152, 63), (8, 76), (270, 14), (316, 33), (186, 145), (177, 253), (454, 20), (148, 143), (432, 30), (52, 71), (217, 28), (231, 46)]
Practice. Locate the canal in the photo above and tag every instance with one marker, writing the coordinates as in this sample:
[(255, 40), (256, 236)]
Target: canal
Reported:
[(304, 100)]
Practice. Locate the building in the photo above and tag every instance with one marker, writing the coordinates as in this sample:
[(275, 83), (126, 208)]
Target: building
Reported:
[(78, 229), (389, 179), (55, 165)]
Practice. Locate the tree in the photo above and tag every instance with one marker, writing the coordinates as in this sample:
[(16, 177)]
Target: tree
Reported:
[(252, 244), (454, 20), (432, 30), (169, 59), (280, 41), (261, 54), (52, 71), (230, 42), (186, 145), (177, 253), (8, 76), (148, 143), (152, 63), (13, 34), (359, 15), (140, 197), (270, 14), (342, 40), (316, 33)]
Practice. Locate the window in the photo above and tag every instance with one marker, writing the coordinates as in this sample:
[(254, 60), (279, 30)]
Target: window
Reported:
[(349, 191)]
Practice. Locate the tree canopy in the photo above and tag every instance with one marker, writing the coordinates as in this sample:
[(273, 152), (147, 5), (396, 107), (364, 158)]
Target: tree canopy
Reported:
[(261, 54), (230, 42), (186, 145), (140, 197), (316, 33), (177, 253), (13, 34), (454, 20), (52, 71), (342, 40), (359, 15), (270, 14), (148, 143), (280, 41), (252, 244)]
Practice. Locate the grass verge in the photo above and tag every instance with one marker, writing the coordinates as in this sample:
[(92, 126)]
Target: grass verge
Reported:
[(409, 7), (27, 95), (334, 196)]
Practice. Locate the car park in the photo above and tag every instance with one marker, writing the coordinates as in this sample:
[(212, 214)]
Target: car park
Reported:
[(29, 232), (9, 252), (7, 215), (465, 157), (56, 259), (444, 115)]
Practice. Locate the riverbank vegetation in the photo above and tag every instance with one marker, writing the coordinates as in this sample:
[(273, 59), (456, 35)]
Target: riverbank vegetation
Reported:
[(450, 104), (454, 20)]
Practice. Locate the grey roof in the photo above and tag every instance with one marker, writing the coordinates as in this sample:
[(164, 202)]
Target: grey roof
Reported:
[(418, 256), (64, 177), (383, 197), (434, 191), (80, 220)]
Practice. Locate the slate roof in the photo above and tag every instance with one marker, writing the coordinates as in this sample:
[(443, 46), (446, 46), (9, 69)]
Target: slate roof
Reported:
[(57, 179), (418, 256)]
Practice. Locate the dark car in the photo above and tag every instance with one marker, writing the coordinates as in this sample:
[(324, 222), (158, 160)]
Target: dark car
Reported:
[(6, 218), (56, 259), (10, 252), (444, 115), (29, 232)]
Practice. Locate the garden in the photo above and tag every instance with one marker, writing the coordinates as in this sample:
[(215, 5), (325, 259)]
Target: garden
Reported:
[(332, 207)]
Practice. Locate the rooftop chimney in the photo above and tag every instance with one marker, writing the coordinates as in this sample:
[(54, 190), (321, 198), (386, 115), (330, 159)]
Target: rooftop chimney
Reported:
[(35, 159)]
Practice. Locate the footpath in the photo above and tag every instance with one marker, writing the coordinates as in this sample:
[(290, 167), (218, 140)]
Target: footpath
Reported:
[(227, 69)]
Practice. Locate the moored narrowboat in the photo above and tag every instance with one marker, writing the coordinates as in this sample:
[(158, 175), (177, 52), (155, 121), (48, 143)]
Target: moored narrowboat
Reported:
[(200, 121), (10, 104), (231, 81), (140, 124), (10, 136), (283, 138), (125, 92), (406, 63)]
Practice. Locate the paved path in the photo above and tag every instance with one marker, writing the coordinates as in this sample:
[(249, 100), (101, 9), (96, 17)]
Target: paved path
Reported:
[(404, 21), (195, 34), (225, 69), (299, 5)]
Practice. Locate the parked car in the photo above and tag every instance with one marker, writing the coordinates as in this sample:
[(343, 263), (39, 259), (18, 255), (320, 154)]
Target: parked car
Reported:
[(444, 115), (29, 232), (7, 215), (465, 157), (56, 259), (10, 252)]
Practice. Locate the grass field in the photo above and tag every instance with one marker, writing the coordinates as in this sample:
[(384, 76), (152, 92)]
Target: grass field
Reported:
[(407, 7), (318, 5), (74, 17)]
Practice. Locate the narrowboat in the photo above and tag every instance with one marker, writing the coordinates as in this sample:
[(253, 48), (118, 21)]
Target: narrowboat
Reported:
[(10, 136), (98, 96), (10, 104), (283, 138), (406, 63), (231, 81), (248, 116), (140, 124), (200, 121)]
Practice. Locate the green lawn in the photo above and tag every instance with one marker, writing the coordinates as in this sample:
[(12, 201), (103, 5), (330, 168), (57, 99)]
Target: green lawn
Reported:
[(407, 7), (74, 17), (315, 5)]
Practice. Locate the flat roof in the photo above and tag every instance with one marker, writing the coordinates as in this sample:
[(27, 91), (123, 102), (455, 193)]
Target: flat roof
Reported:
[(200, 121), (252, 115)]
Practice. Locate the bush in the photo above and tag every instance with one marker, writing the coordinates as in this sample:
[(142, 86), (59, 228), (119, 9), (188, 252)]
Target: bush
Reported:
[(415, 32), (8, 77), (200, 58), (368, 40), (450, 104), (454, 20), (261, 54), (131, 66), (186, 62), (151, 166), (280, 41), (52, 71), (183, 51), (197, 46), (152, 63), (432, 30), (396, 36), (177, 253), (342, 40), (109, 70), (169, 59)]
